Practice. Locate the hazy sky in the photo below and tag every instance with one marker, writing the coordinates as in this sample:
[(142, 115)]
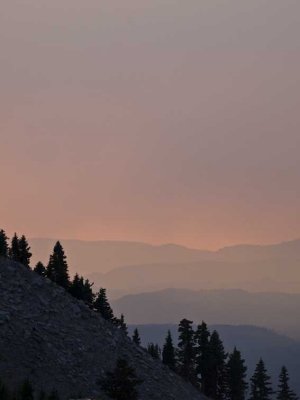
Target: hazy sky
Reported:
[(158, 121)]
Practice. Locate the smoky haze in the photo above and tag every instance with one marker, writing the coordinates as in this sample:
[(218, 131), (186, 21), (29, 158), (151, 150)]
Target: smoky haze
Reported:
[(162, 121)]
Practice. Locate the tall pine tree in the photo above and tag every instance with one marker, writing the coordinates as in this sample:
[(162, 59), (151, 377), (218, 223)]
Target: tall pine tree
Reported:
[(24, 252), (168, 352), (154, 350), (57, 269), (236, 376), (40, 269), (284, 392), (136, 337), (202, 336), (260, 383), (121, 384), (14, 251), (103, 307), (186, 351), (3, 244)]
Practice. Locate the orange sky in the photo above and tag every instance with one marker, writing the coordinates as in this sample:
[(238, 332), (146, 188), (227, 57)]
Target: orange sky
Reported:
[(161, 121)]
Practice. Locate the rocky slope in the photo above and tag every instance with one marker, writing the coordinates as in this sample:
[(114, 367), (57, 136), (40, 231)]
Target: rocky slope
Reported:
[(56, 341)]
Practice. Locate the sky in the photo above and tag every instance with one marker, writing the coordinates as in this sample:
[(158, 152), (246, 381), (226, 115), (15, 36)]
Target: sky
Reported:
[(157, 121)]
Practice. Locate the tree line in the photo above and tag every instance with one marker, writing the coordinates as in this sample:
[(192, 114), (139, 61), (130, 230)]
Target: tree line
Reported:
[(199, 358)]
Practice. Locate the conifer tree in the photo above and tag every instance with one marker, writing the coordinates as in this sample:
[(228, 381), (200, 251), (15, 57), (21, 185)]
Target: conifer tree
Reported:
[(121, 324), (14, 251), (40, 269), (186, 351), (53, 395), (284, 392), (236, 376), (121, 384), (168, 352), (217, 374), (24, 252), (202, 336), (26, 391), (154, 350), (260, 383), (57, 269), (88, 295), (102, 306), (3, 244), (136, 337)]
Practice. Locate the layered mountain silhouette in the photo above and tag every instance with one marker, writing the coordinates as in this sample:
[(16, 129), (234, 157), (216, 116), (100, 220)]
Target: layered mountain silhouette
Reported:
[(126, 267), (57, 342), (278, 311)]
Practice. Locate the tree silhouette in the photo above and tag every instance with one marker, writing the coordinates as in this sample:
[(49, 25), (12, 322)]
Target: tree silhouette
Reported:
[(154, 350), (168, 352), (57, 269), (24, 252), (236, 376), (260, 383), (4, 394), (136, 337), (26, 391), (121, 324), (202, 336), (186, 351), (121, 383), (40, 269), (284, 392), (3, 244), (102, 306), (14, 251)]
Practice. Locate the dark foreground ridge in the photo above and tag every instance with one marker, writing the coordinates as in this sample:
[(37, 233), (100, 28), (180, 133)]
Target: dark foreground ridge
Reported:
[(57, 342)]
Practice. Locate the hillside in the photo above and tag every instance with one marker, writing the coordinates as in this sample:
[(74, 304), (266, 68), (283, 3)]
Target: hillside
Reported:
[(58, 342), (254, 342), (272, 310)]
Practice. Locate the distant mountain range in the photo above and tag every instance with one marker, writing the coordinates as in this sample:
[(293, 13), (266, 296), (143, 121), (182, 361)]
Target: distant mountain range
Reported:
[(254, 342), (129, 267), (277, 311)]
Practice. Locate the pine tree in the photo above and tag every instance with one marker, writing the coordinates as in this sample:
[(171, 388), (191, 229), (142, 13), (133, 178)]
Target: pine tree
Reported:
[(88, 295), (24, 252), (136, 337), (154, 350), (236, 376), (3, 244), (284, 392), (26, 391), (57, 269), (217, 374), (14, 251), (168, 352), (121, 384), (260, 383), (121, 324), (202, 336), (40, 269), (186, 351), (76, 287), (102, 306)]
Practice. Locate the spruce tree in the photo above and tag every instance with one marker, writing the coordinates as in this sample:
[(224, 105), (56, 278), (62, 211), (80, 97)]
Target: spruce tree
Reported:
[(3, 244), (168, 352), (236, 376), (154, 350), (121, 324), (186, 351), (284, 392), (136, 337), (121, 384), (202, 336), (260, 383), (57, 269), (14, 251), (88, 295), (102, 306), (24, 252), (40, 269), (217, 374), (26, 391)]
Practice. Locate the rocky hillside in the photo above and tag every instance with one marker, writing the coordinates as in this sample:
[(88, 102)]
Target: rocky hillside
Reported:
[(58, 342)]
